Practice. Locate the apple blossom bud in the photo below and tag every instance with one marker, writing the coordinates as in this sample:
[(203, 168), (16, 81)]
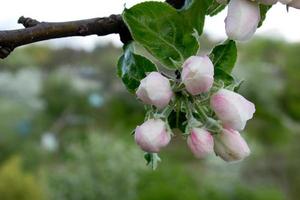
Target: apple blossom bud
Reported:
[(200, 142), (155, 90), (232, 109), (242, 19), (198, 74), (152, 135), (230, 145), (294, 4), (268, 2)]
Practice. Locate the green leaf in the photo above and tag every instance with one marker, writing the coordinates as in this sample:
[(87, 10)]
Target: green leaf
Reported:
[(263, 12), (224, 56), (132, 68), (215, 8), (223, 76), (194, 12), (163, 31)]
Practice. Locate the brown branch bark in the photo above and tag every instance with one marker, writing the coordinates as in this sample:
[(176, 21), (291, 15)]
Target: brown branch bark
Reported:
[(36, 31)]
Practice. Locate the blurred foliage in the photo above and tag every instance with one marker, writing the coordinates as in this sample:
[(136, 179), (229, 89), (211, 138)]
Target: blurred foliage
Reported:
[(75, 94), (172, 182), (101, 168), (284, 61), (241, 193), (15, 183)]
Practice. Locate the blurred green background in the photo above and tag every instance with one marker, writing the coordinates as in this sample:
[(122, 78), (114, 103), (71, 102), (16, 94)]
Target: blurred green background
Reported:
[(66, 119)]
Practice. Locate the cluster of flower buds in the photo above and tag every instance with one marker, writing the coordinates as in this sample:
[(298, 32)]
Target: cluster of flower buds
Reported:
[(243, 16), (214, 114)]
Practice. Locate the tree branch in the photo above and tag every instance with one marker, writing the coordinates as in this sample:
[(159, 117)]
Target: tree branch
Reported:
[(36, 31)]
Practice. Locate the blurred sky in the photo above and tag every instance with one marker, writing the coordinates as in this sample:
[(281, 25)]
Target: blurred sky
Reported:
[(278, 24)]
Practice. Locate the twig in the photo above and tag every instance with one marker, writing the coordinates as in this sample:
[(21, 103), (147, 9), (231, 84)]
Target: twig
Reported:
[(36, 31)]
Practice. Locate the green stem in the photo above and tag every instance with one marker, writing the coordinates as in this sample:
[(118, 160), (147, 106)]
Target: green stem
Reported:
[(167, 111), (178, 107), (149, 113), (200, 110), (213, 125), (188, 109)]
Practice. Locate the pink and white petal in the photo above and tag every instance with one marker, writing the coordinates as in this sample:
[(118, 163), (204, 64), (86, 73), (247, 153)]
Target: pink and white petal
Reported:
[(242, 19)]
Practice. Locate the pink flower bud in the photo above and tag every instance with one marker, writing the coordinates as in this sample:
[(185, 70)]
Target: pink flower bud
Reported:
[(232, 109), (268, 2), (242, 19), (198, 74), (295, 4), (200, 142), (230, 145), (152, 135), (155, 90)]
